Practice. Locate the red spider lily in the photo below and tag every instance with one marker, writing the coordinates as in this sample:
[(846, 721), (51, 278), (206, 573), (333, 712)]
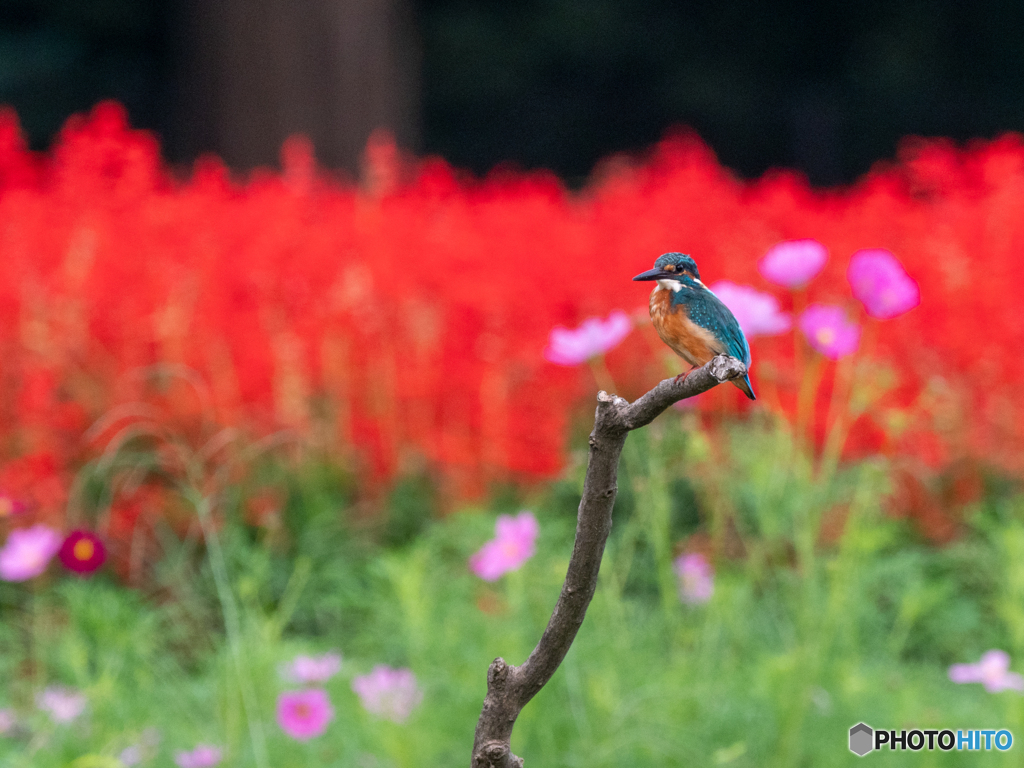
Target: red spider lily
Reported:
[(33, 483), (409, 316)]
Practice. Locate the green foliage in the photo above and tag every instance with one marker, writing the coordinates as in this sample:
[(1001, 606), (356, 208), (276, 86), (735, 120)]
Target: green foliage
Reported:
[(808, 631)]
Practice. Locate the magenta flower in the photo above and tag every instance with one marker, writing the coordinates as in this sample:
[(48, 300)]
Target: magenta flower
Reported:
[(10, 505), (312, 669), (992, 671), (696, 579), (203, 756), (757, 313), (882, 285), (8, 721), (829, 332), (389, 693), (513, 544), (793, 263), (27, 552), (303, 715), (63, 705), (593, 337), (82, 552)]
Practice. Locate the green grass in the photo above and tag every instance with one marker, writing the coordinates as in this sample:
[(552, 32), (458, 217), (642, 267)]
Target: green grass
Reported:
[(801, 640)]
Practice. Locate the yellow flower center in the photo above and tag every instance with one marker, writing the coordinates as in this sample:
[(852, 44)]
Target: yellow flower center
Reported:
[(509, 549), (826, 336), (83, 550)]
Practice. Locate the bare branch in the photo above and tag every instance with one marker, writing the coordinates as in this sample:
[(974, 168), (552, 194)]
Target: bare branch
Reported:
[(509, 688)]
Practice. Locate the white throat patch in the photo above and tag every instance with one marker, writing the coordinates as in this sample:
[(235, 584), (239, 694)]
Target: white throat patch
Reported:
[(676, 286)]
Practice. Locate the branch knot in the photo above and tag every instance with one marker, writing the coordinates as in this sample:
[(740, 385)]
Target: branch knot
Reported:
[(495, 754), (497, 675), (725, 368)]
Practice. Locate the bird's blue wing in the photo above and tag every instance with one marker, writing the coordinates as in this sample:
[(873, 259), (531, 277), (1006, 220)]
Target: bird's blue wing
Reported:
[(736, 342), (708, 311)]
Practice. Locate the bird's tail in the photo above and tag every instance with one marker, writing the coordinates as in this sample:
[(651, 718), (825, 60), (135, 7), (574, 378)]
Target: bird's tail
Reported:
[(744, 385)]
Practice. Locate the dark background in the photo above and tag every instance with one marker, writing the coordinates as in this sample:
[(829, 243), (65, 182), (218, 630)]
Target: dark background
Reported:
[(825, 87)]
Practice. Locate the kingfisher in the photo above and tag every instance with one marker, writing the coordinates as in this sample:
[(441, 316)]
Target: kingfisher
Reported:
[(691, 319)]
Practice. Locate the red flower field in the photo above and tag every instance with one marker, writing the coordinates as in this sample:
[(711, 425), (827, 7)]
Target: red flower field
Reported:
[(405, 317)]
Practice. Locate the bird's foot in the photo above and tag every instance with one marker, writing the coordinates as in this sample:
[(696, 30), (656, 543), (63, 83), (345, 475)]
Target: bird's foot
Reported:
[(683, 375)]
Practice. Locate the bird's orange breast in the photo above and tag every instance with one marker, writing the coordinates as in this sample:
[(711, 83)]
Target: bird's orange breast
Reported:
[(694, 344)]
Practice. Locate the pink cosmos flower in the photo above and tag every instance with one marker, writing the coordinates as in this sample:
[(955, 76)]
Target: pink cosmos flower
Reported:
[(312, 669), (793, 263), (882, 285), (304, 715), (593, 337), (757, 313), (203, 756), (389, 693), (513, 544), (696, 579), (63, 705), (8, 721), (145, 749), (992, 671), (27, 552), (829, 332), (131, 755)]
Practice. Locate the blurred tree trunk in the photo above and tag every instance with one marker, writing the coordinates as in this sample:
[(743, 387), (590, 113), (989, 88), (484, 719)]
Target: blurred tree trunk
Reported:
[(252, 72)]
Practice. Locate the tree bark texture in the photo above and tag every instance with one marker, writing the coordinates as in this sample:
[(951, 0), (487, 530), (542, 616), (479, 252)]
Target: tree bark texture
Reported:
[(253, 72), (509, 688)]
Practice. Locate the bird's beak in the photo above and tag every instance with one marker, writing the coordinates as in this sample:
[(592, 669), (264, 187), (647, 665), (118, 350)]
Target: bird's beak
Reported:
[(655, 274)]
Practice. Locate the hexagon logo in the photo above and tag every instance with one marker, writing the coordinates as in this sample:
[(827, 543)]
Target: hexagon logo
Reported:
[(861, 739)]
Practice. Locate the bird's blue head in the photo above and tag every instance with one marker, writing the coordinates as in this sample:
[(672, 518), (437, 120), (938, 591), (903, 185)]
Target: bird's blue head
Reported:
[(672, 266)]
